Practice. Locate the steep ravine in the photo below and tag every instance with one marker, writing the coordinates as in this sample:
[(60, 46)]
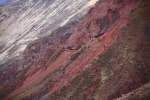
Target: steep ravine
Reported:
[(103, 56)]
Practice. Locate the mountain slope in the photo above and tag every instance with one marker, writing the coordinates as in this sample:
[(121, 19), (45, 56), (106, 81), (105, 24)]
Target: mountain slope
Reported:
[(102, 56)]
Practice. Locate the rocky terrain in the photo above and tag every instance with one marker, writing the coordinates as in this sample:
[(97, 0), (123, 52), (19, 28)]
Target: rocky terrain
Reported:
[(23, 21), (66, 50)]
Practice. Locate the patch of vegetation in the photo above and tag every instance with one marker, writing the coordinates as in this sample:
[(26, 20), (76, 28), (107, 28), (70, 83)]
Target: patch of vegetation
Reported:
[(106, 62), (2, 93), (55, 56)]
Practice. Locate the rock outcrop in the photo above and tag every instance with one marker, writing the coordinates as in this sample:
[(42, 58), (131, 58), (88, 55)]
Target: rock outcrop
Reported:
[(103, 56)]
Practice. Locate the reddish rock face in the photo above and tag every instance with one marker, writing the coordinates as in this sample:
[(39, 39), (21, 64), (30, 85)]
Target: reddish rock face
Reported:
[(101, 57)]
